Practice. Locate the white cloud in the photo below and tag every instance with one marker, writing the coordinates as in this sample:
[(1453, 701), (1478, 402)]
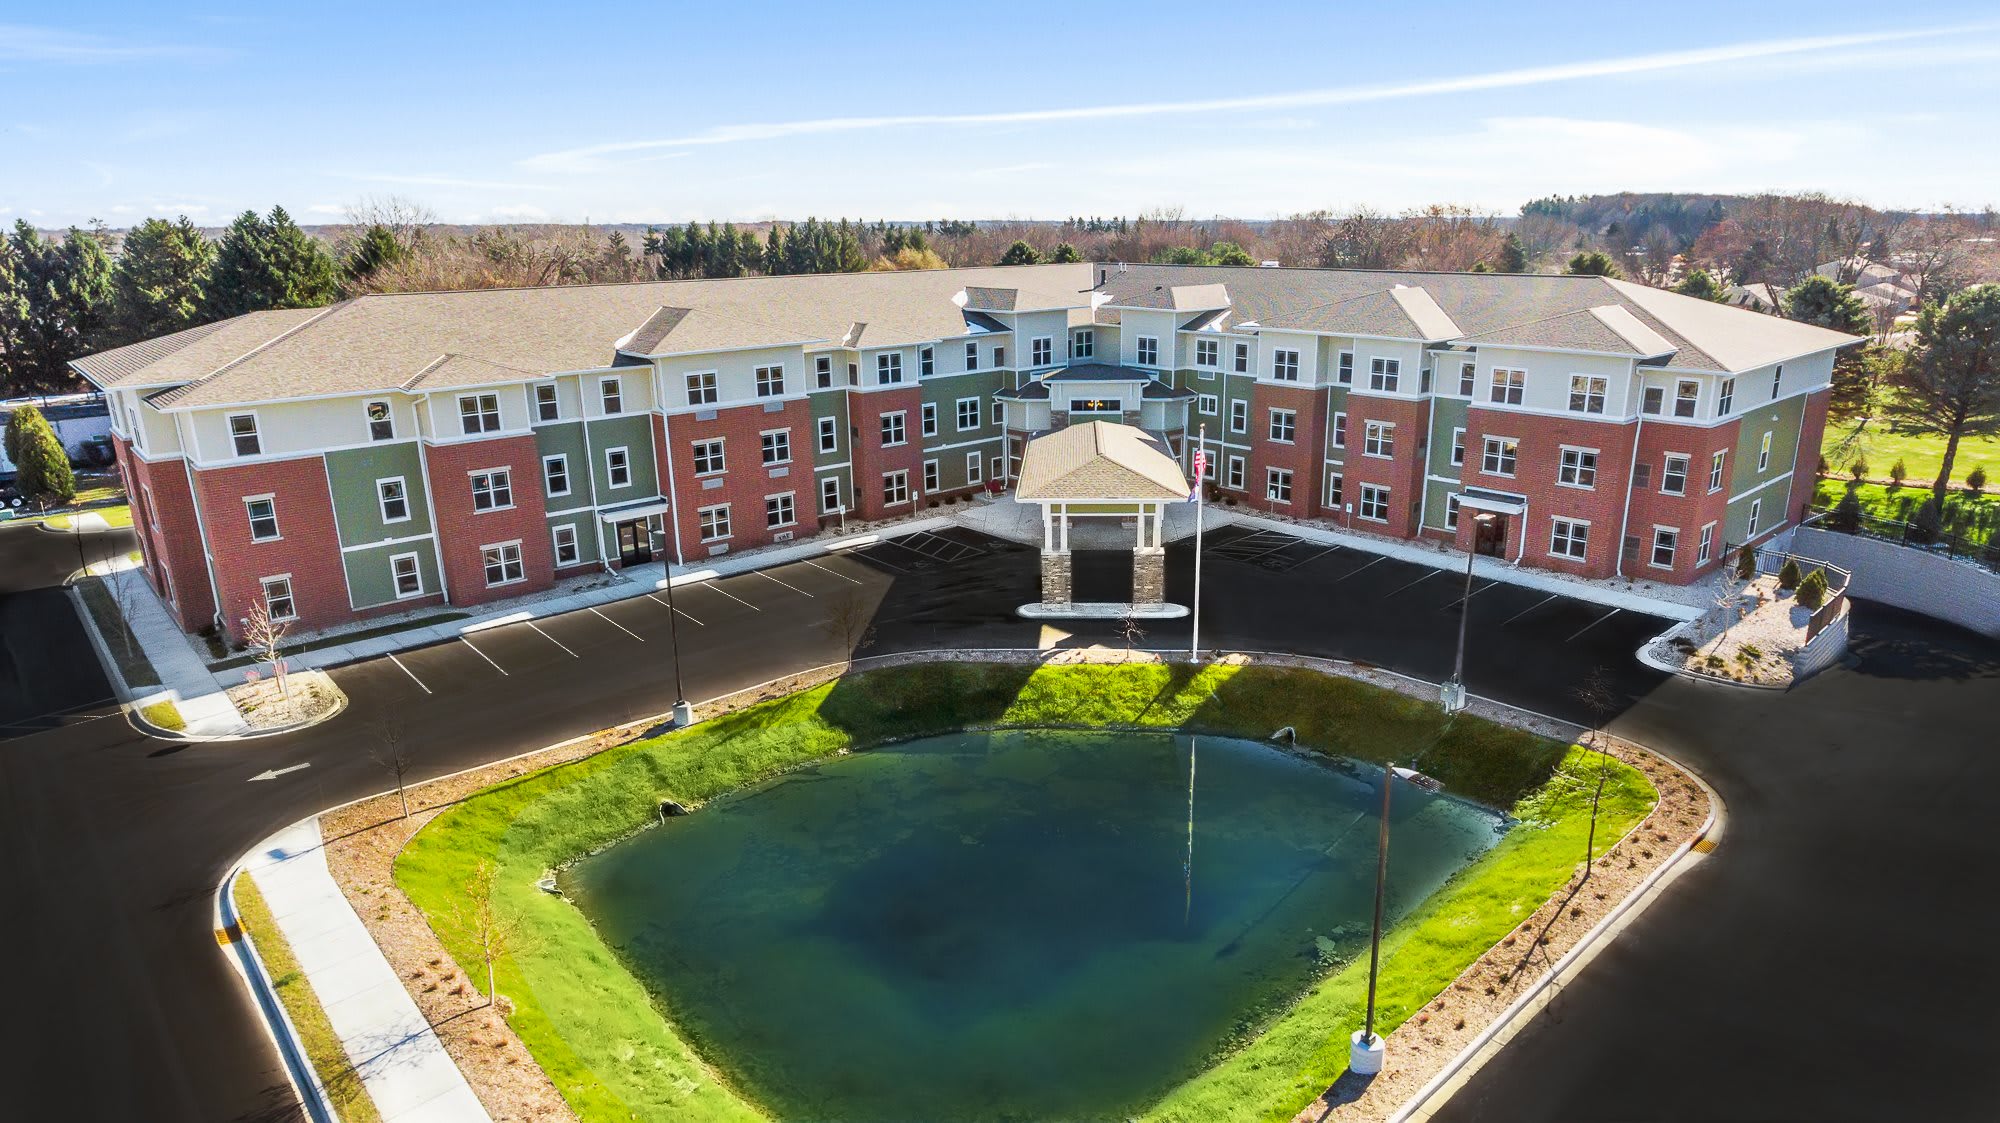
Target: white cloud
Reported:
[(519, 211), (26, 43), (441, 181), (593, 158)]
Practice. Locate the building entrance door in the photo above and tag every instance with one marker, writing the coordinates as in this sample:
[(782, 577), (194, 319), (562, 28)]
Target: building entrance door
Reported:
[(1489, 535), (635, 542)]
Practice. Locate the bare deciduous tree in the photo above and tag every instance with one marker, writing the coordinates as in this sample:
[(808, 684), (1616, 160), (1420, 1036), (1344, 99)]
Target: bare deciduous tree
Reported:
[(397, 755), (1596, 695), (1131, 631), (265, 638), (850, 621), (495, 932)]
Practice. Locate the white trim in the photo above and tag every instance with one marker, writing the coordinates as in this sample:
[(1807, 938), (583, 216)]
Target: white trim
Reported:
[(520, 558), (416, 560), (555, 546), (569, 485), (1760, 487), (382, 501), (609, 471), (359, 547), (955, 444)]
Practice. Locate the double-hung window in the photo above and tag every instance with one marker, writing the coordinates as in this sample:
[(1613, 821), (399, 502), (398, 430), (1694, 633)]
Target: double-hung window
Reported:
[(829, 434), (1242, 358), (1378, 439), (1715, 472), (1207, 352), (278, 602), (1756, 516), (1239, 416), (1569, 538), (926, 361), (1451, 512), (1653, 400), (972, 356), (1205, 404), (895, 487), (888, 368), (1340, 430), (1457, 448), (1499, 456), (243, 435), (1764, 453), (1278, 485), (780, 510), (927, 419), (1082, 344), (777, 446), (564, 539), (713, 522), (611, 393), (381, 422), (1674, 475), (1665, 540), (1284, 425), (1384, 374), (893, 432), (1705, 548), (492, 490), (503, 564), (1586, 393), (479, 413), (1232, 477), (1725, 398), (933, 478), (829, 494), (1148, 351), (1285, 365), (1333, 490), (1041, 351), (394, 499), (770, 381), (617, 468), (547, 406), (1686, 393), (555, 475), (263, 512), (1578, 467), (971, 467), (701, 388), (408, 576), (968, 414), (999, 356), (1509, 386), (1374, 503), (1467, 375), (708, 458), (823, 372), (1344, 371)]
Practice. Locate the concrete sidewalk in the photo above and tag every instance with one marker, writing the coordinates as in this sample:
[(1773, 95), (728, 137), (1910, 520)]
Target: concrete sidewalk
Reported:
[(182, 673), (393, 1049)]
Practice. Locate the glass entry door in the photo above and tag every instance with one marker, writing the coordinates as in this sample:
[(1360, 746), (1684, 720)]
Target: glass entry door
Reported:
[(635, 542)]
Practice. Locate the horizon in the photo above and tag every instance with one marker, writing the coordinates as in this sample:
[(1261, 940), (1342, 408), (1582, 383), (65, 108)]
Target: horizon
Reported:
[(128, 112)]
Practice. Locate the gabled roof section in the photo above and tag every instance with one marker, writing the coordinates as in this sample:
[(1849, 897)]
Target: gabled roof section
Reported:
[(1207, 321), (686, 331), (1397, 312), (192, 353), (1425, 315), (1097, 372), (1177, 298), (1604, 330), (452, 372), (1733, 338), (1099, 460), (994, 298)]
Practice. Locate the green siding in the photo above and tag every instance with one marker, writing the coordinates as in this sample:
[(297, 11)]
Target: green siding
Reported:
[(566, 439), (945, 393), (1446, 414), (828, 403), (351, 475), (1783, 421), (370, 582), (586, 534), (1435, 492), (635, 434)]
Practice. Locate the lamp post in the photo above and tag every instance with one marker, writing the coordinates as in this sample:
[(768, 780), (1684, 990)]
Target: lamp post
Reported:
[(683, 710), (1365, 1049), (1453, 692)]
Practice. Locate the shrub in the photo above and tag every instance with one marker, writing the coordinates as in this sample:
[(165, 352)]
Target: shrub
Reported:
[(1897, 473), (1859, 469), (1975, 480), (1824, 467), (1746, 563), (1750, 651), (1847, 514), (43, 471), (1812, 590), (1924, 526), (1788, 574)]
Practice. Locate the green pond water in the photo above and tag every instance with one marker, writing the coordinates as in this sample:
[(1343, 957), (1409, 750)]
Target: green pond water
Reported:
[(1007, 926)]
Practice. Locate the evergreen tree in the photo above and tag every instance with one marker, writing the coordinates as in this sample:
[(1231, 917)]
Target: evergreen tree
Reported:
[(1594, 263), (1702, 285), (1829, 304), (1950, 386), (1020, 253), (1229, 253), (158, 282), (774, 250), (377, 248), (1480, 267), (269, 263), (1064, 252), (41, 466), (60, 301), (1513, 255)]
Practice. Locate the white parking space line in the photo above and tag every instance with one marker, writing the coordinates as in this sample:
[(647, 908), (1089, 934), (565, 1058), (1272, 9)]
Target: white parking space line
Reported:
[(551, 639), (1316, 556), (1472, 594), (657, 600), (1418, 581), (1359, 568), (1528, 609), (412, 674), (730, 595), (620, 627), (482, 654), (1594, 623), (793, 588), (836, 573)]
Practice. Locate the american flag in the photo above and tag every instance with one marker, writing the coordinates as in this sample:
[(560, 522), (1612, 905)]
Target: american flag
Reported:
[(1200, 470)]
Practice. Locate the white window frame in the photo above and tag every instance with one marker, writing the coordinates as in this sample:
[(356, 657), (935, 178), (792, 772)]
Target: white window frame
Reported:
[(502, 560), (973, 463), (396, 577), (559, 461), (1687, 397), (1571, 468), (1042, 351), (1384, 374), (1451, 505), (770, 380), (1344, 368), (789, 504), (557, 544), (829, 495), (617, 458), (710, 448), (496, 480), (829, 434), (1588, 393), (1335, 490), (711, 518), (1725, 398), (896, 483), (1652, 400), (1239, 415), (1276, 480), (927, 419), (1756, 516), (1673, 545), (1083, 344), (1378, 439), (1206, 404), (1146, 349), (1496, 452), (1705, 549), (1716, 464), (1562, 530), (1458, 447), (288, 596), (1207, 352), (702, 387), (1233, 474), (823, 372), (611, 395), (889, 368), (961, 408), (382, 498), (388, 419), (1286, 420), (1508, 386), (898, 420), (1340, 429), (479, 419), (1667, 473), (1468, 379), (1241, 363), (548, 408), (254, 434), (1284, 364), (1764, 453), (933, 477), (1374, 496), (250, 511), (926, 361), (972, 356), (1000, 413)]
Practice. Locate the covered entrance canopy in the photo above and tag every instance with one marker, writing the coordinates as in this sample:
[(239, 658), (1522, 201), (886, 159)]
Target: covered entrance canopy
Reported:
[(633, 526), (1099, 469)]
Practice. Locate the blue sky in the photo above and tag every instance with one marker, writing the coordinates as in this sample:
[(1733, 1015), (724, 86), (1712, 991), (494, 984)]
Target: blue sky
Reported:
[(666, 112)]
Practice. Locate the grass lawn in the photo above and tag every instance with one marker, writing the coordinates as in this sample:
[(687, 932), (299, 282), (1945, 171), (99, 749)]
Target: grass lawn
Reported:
[(343, 1086), (1921, 456), (1977, 515), (121, 515), (132, 661), (614, 1055)]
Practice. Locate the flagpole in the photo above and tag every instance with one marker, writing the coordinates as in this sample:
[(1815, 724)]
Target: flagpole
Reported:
[(1200, 501)]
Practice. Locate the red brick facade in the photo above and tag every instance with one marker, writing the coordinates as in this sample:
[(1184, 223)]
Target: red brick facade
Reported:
[(307, 548), (464, 532), (1653, 506), (1402, 474), (1541, 439), (745, 481), (872, 460), (162, 497), (1301, 457)]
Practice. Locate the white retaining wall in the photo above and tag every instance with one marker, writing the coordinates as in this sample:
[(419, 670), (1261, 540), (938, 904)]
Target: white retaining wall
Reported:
[(1955, 591)]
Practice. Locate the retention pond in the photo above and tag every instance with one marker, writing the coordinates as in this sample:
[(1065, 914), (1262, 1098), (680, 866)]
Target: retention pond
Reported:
[(1009, 925)]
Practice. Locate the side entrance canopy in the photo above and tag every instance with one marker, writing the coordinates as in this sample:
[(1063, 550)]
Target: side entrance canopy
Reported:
[(1098, 469)]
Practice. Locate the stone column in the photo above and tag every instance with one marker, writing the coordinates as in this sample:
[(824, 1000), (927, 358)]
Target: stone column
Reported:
[(1149, 575), (1055, 576)]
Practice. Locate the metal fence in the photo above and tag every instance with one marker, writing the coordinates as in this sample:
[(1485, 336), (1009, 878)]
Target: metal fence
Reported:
[(1977, 543), (1770, 562)]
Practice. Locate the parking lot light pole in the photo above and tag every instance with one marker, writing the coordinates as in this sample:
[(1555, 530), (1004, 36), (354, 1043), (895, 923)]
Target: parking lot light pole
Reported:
[(1453, 693), (1365, 1049), (683, 709)]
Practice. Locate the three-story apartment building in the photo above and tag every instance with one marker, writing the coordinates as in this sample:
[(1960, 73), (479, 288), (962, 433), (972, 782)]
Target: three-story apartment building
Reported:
[(397, 451)]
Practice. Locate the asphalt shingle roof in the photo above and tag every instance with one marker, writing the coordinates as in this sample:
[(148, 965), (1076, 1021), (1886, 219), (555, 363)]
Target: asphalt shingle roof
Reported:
[(1099, 460)]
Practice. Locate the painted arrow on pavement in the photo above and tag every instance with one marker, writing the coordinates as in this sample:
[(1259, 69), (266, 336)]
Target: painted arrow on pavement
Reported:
[(272, 774)]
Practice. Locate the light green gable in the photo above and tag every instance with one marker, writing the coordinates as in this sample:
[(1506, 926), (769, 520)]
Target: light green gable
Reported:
[(1435, 494), (635, 435), (566, 439), (1782, 420), (371, 581), (351, 477), (945, 393), (833, 404), (1446, 414), (585, 523)]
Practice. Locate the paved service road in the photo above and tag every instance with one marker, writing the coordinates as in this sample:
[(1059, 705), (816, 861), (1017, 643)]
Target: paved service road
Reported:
[(48, 670), (116, 842)]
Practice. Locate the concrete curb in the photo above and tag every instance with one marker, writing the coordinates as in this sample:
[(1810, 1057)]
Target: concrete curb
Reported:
[(139, 722), (1648, 658), (299, 1071)]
